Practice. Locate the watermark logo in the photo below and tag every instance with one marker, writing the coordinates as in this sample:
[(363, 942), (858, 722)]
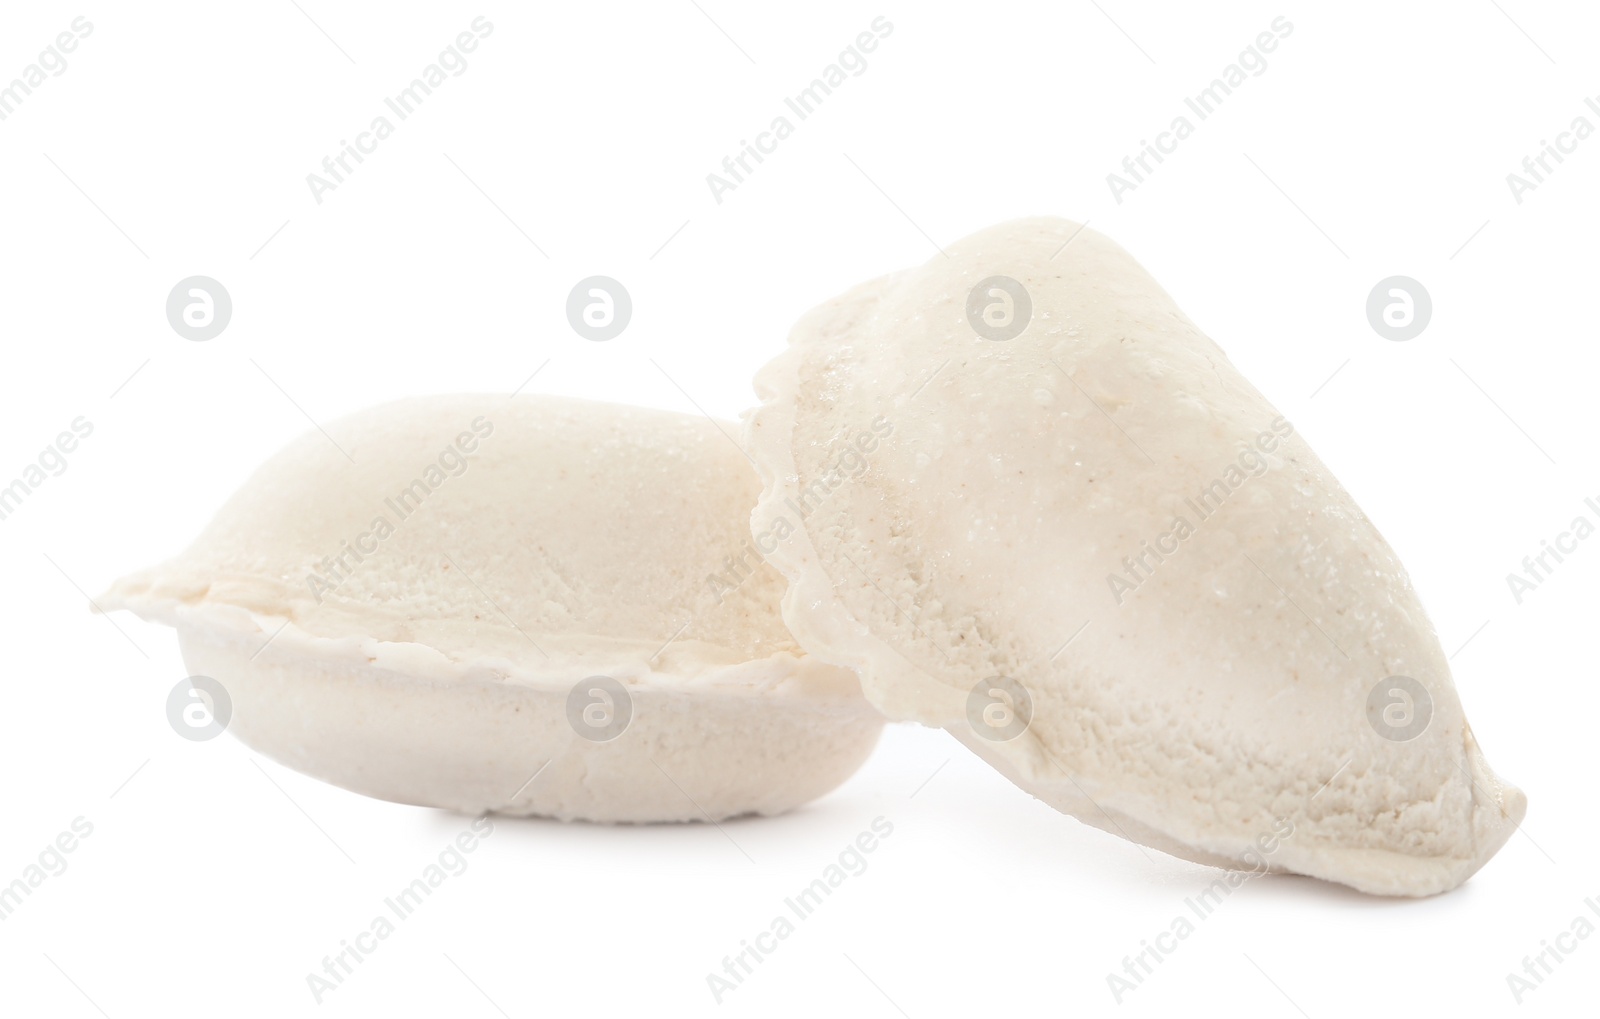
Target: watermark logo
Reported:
[(599, 709), (851, 862), (1252, 462), (1251, 63), (1399, 709), (999, 709), (849, 464), (1537, 168), (599, 308), (450, 863), (51, 463), (1538, 568), (1139, 966), (999, 308), (452, 462), (52, 862), (199, 308), (852, 63), (1399, 308), (199, 708), (1542, 964), (51, 62), (451, 63)]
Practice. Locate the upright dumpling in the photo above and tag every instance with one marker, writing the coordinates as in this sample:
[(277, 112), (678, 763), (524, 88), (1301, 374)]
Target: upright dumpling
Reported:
[(1029, 500), (519, 604)]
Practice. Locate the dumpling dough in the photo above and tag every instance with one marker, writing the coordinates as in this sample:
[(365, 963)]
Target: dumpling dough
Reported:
[(1099, 557), (505, 604)]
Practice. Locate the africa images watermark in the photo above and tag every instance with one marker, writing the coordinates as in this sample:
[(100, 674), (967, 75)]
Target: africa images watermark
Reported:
[(1536, 967), (850, 464), (50, 60), (1537, 167), (52, 862), (452, 462), (1537, 568), (851, 862), (52, 460), (1252, 463), (1136, 967), (1252, 63), (802, 104), (402, 105), (450, 862)]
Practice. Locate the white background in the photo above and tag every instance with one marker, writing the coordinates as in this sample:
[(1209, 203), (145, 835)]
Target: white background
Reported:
[(177, 142)]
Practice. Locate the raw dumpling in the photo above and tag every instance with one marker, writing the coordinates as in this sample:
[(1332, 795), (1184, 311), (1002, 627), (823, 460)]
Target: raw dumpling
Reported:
[(1032, 503), (516, 604)]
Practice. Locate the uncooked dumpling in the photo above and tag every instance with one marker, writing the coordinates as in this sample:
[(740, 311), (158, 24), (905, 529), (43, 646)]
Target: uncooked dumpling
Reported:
[(507, 604), (1031, 502)]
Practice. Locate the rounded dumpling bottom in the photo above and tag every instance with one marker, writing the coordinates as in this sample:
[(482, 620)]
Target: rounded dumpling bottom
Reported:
[(479, 744)]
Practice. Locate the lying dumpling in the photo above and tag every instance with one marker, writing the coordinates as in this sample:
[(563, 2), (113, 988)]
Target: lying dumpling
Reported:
[(1032, 503), (516, 604)]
